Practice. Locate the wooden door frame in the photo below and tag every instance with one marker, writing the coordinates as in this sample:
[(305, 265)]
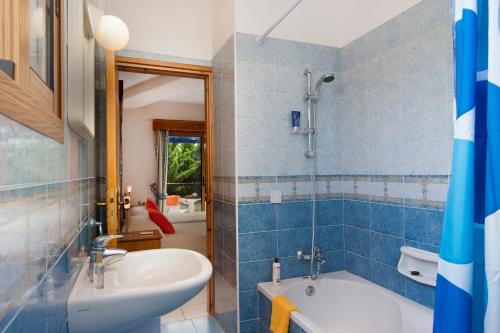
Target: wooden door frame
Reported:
[(158, 67)]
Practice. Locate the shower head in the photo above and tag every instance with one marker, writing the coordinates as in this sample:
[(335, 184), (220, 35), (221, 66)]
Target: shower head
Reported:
[(326, 78)]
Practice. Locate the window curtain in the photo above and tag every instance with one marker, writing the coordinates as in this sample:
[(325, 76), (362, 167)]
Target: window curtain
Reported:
[(161, 148), (468, 281)]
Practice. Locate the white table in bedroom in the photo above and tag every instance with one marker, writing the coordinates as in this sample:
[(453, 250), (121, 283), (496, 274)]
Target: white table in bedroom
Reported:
[(190, 202)]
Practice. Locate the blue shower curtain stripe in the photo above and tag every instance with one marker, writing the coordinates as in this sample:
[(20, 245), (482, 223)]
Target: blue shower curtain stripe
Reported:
[(492, 183), (468, 282)]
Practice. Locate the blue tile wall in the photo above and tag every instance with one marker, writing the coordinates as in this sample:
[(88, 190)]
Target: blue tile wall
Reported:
[(265, 222), (356, 214), (292, 240), (249, 309), (396, 95), (271, 83), (249, 326), (387, 219), (396, 86), (224, 189), (44, 209), (423, 226), (372, 234), (294, 215), (383, 152), (329, 212), (225, 265), (373, 251), (269, 230), (357, 240), (45, 309), (47, 191), (257, 246), (251, 273)]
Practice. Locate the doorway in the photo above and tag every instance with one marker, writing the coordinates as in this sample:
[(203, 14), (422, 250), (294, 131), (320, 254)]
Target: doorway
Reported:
[(185, 203), (188, 162)]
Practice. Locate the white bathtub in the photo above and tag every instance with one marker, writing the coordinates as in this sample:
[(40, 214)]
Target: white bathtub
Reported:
[(345, 303)]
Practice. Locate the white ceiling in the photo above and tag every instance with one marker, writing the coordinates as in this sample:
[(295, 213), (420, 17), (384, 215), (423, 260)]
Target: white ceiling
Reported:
[(326, 22), (175, 27), (144, 90)]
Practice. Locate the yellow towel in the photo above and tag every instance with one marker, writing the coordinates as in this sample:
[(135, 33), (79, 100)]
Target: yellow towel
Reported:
[(280, 315)]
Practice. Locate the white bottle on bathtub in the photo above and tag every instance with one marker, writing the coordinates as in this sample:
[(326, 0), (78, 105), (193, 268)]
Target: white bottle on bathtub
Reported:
[(276, 272)]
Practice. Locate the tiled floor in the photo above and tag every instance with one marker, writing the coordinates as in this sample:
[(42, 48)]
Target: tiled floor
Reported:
[(192, 317), (195, 308), (206, 324)]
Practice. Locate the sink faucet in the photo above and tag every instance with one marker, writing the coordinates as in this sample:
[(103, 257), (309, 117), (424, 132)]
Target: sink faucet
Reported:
[(316, 258), (98, 253)]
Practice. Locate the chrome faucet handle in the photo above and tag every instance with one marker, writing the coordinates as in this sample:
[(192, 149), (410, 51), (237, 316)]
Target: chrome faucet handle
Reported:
[(101, 242), (302, 256)]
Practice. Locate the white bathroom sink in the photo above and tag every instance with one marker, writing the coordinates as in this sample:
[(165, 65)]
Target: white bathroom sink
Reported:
[(138, 289)]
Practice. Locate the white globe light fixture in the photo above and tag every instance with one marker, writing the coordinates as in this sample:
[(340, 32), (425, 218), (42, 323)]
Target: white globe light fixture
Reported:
[(112, 33)]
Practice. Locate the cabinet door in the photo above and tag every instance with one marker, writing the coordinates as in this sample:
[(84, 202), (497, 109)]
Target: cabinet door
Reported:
[(30, 39)]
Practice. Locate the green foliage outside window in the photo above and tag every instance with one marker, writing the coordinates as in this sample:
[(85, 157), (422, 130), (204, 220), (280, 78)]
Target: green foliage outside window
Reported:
[(184, 166)]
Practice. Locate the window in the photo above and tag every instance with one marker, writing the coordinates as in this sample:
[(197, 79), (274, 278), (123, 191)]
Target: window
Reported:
[(41, 41), (30, 32), (184, 170)]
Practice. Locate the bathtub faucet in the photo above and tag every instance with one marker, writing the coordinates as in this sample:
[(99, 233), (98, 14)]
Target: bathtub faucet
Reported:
[(317, 260), (302, 256)]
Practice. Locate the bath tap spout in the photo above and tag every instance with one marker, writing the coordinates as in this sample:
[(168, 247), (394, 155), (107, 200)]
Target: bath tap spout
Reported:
[(319, 260)]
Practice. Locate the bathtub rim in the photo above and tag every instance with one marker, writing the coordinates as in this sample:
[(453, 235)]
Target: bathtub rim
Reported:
[(268, 290)]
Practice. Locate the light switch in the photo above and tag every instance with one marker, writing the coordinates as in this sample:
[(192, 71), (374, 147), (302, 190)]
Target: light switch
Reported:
[(275, 196)]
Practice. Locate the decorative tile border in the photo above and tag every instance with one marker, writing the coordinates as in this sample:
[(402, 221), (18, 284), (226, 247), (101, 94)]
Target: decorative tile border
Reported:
[(294, 188), (426, 191), (225, 189)]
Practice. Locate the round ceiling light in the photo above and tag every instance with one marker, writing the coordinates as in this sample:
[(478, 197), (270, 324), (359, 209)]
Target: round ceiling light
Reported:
[(112, 33)]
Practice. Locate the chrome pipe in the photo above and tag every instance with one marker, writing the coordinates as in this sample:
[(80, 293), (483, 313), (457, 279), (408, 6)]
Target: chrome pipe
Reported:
[(310, 116)]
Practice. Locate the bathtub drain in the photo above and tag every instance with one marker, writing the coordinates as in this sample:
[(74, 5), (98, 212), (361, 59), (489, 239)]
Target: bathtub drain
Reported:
[(310, 291)]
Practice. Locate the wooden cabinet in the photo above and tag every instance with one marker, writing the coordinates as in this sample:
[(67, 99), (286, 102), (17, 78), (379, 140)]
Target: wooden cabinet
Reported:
[(140, 240), (30, 40)]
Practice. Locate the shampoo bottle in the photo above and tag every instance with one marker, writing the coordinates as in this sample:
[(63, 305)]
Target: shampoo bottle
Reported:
[(276, 272)]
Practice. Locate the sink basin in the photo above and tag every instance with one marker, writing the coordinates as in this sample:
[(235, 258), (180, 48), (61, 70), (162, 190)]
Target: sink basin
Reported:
[(138, 289)]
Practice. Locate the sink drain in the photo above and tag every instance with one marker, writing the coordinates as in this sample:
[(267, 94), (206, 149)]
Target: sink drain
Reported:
[(310, 290)]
